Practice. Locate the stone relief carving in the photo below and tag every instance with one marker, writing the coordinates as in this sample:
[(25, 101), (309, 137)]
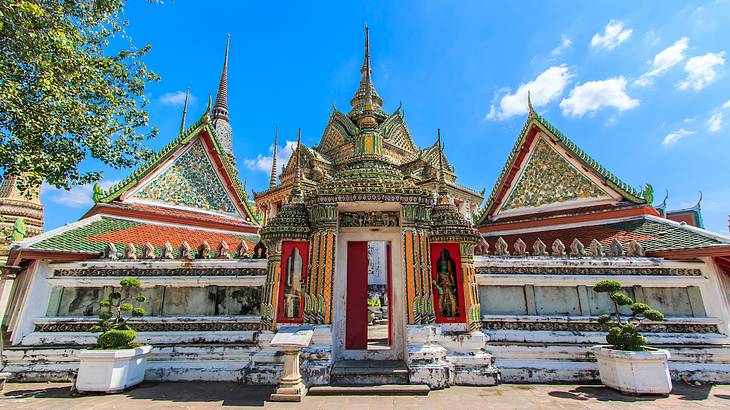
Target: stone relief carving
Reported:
[(150, 272), (576, 326), (369, 219)]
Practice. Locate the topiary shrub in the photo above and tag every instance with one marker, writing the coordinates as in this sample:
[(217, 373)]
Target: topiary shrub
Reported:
[(623, 335), (114, 315)]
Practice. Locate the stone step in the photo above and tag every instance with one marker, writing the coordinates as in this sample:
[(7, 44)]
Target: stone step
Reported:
[(369, 372), (380, 390)]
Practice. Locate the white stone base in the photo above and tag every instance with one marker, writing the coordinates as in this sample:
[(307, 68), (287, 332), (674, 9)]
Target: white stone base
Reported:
[(644, 372), (111, 371)]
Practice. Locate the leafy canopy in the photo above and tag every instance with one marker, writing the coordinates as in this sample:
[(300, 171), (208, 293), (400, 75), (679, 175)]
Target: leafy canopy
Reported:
[(71, 86)]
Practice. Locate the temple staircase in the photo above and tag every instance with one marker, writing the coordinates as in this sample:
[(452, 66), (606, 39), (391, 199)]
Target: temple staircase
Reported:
[(372, 377)]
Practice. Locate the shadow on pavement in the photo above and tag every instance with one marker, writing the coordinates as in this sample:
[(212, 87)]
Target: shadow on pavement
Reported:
[(602, 393), (229, 393)]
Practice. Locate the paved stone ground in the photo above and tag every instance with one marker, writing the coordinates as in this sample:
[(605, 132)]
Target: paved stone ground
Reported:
[(190, 395)]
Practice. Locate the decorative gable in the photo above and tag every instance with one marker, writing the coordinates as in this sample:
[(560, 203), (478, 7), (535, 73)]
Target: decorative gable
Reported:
[(395, 131), (548, 178), (190, 181)]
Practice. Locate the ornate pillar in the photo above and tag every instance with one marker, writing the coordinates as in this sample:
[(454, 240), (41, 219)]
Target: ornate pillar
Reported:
[(416, 266), (318, 292), (270, 294)]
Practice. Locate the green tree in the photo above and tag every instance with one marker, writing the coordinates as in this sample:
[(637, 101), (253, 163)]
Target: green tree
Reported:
[(71, 87)]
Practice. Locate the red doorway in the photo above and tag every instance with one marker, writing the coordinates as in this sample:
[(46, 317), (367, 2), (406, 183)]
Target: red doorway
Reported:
[(368, 296)]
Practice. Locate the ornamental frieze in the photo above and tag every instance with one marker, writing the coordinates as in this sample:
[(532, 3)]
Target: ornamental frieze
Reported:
[(575, 326), (564, 270), (159, 326), (369, 219), (151, 272)]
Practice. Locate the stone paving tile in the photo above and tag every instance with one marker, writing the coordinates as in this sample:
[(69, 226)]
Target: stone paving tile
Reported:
[(212, 395)]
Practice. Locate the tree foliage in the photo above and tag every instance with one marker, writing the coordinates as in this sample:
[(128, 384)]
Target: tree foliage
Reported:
[(114, 315), (624, 334), (71, 87)]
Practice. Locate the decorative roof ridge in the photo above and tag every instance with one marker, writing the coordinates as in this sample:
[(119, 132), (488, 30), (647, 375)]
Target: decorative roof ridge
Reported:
[(639, 197), (144, 170), (695, 208)]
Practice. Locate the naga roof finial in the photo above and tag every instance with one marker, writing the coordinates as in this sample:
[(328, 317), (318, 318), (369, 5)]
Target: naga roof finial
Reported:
[(272, 179), (185, 110), (530, 109), (697, 206), (210, 103)]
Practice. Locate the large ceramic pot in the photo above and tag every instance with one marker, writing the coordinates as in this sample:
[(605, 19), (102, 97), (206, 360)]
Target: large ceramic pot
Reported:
[(111, 371), (645, 372)]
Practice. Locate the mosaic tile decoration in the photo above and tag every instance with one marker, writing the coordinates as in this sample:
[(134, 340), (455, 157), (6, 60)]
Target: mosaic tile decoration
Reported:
[(191, 181), (549, 178)]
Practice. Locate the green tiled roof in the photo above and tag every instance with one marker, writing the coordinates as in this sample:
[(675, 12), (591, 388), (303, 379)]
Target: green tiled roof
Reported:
[(668, 235)]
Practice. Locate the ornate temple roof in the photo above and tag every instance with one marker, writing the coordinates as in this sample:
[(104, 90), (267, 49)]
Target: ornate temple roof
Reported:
[(591, 180), (656, 235), (90, 236), (151, 182)]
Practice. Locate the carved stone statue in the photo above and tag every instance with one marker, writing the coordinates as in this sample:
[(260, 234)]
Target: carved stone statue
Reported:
[(447, 285)]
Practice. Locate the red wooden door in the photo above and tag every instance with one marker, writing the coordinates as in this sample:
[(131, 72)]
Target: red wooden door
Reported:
[(356, 316)]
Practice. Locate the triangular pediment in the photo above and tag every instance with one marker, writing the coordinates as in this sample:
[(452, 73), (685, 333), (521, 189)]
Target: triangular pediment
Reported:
[(338, 131), (395, 131), (549, 180), (192, 173), (547, 172), (191, 181)]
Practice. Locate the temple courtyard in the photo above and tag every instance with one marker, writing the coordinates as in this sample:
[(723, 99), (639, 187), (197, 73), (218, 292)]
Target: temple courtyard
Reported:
[(193, 395)]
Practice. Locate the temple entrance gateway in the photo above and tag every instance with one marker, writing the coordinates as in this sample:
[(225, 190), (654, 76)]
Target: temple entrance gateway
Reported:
[(369, 320)]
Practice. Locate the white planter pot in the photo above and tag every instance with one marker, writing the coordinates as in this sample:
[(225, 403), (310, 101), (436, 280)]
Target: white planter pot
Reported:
[(111, 371), (644, 372)]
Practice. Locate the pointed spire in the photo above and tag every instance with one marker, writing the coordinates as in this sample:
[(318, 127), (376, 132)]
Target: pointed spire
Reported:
[(221, 121), (296, 192), (185, 110), (272, 179), (443, 192), (220, 109), (366, 84)]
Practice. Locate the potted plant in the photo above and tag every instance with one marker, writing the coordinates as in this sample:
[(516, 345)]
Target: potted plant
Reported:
[(116, 362), (626, 363)]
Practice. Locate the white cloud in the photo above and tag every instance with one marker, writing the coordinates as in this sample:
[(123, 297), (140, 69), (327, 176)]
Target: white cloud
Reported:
[(565, 44), (675, 136), (547, 87), (177, 98), (592, 96), (614, 34), (701, 71), (714, 124), (263, 163), (664, 60), (79, 196), (726, 105)]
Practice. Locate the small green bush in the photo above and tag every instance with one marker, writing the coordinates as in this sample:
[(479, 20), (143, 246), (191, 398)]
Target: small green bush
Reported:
[(117, 337), (113, 317), (624, 334)]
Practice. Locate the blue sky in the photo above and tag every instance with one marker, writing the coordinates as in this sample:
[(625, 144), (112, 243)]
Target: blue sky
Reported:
[(643, 87)]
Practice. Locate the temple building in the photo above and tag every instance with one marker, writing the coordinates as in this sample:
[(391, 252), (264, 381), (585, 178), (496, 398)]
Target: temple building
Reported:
[(404, 275)]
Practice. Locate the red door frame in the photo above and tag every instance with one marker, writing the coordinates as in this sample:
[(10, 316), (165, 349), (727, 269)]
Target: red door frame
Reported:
[(356, 306), (453, 249), (287, 248)]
